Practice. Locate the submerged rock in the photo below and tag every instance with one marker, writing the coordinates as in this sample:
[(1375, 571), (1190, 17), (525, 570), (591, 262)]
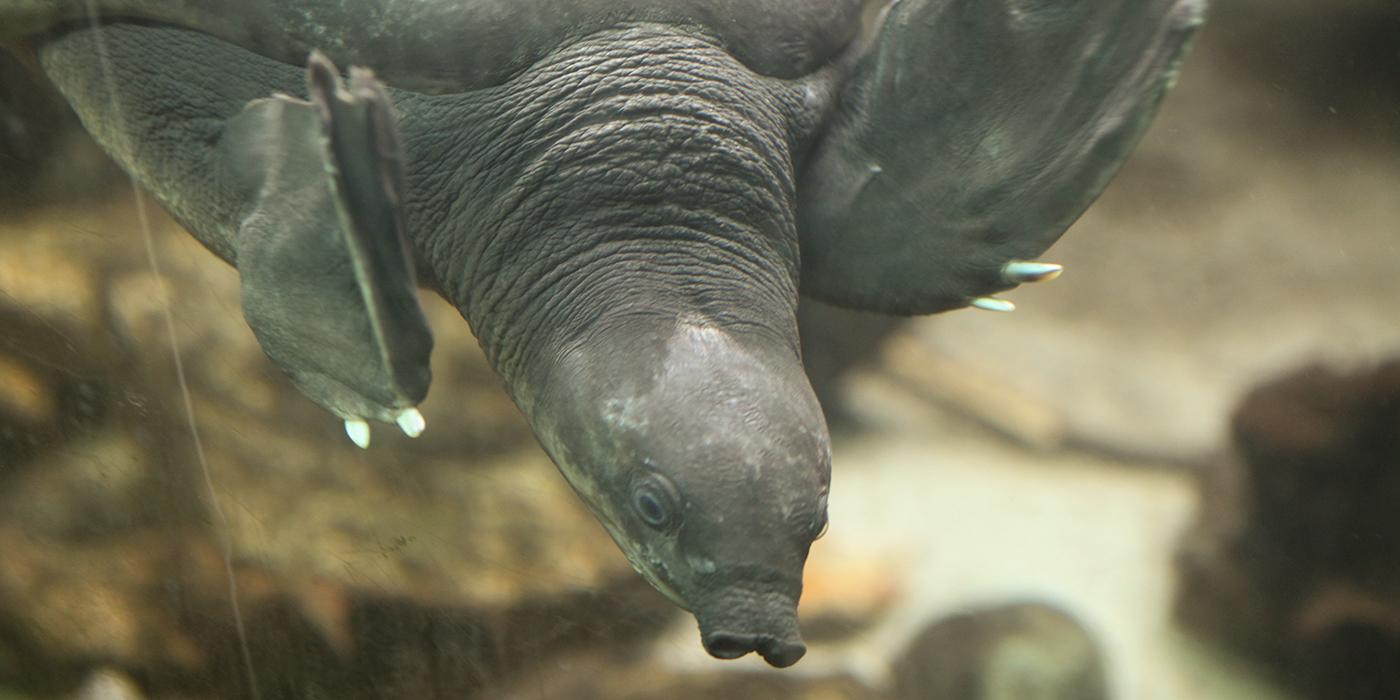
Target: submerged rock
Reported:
[(108, 684), (418, 568), (1025, 651), (1293, 559)]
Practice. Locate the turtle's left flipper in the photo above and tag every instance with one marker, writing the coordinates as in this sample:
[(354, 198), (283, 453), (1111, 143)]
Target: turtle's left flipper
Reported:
[(304, 197), (327, 279)]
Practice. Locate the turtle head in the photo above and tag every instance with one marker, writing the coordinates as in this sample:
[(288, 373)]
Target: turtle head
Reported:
[(705, 456)]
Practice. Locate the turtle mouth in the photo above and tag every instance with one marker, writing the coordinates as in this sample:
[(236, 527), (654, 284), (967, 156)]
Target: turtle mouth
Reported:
[(640, 567), (661, 586), (741, 622), (779, 653)]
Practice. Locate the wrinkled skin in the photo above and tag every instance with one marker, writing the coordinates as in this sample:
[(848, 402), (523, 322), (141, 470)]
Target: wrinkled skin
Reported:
[(615, 209), (644, 324), (662, 373)]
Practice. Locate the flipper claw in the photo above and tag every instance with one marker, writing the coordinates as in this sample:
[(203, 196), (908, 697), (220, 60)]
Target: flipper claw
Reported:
[(993, 304), (411, 421), (358, 430), (1022, 271)]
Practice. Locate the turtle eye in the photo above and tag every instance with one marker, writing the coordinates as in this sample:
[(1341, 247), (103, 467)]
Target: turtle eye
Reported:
[(654, 500)]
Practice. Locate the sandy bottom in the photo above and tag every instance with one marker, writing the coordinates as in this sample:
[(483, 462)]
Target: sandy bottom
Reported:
[(968, 523)]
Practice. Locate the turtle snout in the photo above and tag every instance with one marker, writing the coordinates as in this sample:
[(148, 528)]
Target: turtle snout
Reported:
[(777, 652), (760, 622), (752, 607)]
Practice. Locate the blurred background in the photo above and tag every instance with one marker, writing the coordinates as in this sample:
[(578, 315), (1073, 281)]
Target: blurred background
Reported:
[(1172, 473)]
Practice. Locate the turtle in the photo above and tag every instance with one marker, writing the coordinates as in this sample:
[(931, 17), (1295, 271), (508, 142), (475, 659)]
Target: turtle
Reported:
[(625, 200)]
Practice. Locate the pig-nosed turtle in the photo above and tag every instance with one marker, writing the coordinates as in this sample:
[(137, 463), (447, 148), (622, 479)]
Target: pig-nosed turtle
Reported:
[(624, 199)]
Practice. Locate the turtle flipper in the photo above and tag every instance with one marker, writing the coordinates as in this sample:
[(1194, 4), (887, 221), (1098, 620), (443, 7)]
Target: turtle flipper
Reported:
[(305, 198), (970, 135), (327, 281)]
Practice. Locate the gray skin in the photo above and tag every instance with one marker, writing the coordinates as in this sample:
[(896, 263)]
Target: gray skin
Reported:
[(623, 199)]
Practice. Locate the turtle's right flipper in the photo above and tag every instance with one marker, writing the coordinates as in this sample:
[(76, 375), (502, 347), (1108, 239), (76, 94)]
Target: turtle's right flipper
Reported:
[(327, 279)]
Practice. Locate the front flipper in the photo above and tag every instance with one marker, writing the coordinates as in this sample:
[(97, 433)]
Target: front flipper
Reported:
[(970, 135), (328, 285)]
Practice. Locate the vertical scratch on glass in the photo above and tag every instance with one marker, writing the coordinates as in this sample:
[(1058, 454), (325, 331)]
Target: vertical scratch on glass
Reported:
[(222, 529)]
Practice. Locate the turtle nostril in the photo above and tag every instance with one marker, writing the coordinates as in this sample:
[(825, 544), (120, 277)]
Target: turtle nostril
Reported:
[(781, 654), (722, 645)]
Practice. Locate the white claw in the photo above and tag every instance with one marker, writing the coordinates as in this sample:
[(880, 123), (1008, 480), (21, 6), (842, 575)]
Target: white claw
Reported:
[(993, 304), (358, 430), (1019, 271), (411, 422)]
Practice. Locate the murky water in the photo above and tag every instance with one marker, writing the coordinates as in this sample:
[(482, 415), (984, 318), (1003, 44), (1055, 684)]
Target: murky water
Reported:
[(1048, 459)]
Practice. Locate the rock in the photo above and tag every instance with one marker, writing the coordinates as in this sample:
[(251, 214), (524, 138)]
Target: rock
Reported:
[(1321, 453), (24, 397), (48, 388), (442, 565), (1014, 652), (108, 684), (65, 602), (99, 485), (1293, 558)]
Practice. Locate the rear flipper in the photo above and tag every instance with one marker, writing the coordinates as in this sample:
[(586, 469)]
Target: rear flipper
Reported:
[(328, 285)]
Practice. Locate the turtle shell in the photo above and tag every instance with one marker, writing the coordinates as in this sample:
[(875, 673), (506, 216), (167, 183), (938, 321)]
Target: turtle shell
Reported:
[(443, 46)]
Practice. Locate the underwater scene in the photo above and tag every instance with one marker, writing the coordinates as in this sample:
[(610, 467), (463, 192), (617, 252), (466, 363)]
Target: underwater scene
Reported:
[(673, 349)]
